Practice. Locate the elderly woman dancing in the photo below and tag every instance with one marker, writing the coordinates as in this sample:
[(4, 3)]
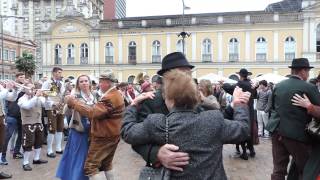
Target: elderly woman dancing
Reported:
[(201, 135)]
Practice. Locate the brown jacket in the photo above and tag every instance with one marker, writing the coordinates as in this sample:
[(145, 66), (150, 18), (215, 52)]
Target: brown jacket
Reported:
[(105, 116)]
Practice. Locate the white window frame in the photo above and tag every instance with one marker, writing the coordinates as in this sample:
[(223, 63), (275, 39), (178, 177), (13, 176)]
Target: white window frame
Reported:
[(290, 48), (261, 49), (234, 46), (109, 53), (156, 51), (206, 50), (57, 48)]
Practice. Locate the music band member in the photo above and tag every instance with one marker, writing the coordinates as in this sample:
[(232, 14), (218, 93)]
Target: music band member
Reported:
[(31, 104), (105, 117), (5, 93), (13, 119), (55, 116)]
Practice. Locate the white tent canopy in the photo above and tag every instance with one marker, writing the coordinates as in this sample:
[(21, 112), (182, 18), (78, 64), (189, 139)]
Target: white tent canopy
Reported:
[(214, 78), (274, 78)]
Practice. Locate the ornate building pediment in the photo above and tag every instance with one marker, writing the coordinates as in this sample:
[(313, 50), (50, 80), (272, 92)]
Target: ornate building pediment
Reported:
[(69, 28)]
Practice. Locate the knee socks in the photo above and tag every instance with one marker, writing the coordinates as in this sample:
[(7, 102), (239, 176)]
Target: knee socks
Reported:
[(58, 141), (37, 154), (26, 156), (50, 142)]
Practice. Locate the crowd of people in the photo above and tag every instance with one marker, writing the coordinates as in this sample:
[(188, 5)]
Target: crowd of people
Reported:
[(171, 120)]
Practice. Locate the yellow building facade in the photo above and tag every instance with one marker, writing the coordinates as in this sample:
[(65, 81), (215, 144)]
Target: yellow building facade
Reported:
[(221, 43)]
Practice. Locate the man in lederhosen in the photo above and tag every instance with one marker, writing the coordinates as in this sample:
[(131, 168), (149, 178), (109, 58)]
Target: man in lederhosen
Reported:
[(55, 117), (31, 104)]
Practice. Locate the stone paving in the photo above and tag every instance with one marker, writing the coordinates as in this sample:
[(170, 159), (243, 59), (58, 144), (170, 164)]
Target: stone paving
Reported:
[(127, 165)]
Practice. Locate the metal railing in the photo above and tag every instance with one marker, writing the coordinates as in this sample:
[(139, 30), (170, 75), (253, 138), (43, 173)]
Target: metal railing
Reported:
[(261, 57), (70, 60), (233, 57), (57, 60), (289, 56), (109, 60), (156, 58), (83, 60), (206, 58), (132, 59)]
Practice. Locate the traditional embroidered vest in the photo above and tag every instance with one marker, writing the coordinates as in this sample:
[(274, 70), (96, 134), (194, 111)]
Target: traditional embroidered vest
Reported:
[(31, 116)]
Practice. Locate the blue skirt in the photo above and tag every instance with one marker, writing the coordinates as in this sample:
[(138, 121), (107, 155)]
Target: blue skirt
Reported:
[(71, 166)]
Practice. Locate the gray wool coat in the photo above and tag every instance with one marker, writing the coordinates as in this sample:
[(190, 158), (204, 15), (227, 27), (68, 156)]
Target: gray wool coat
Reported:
[(202, 135)]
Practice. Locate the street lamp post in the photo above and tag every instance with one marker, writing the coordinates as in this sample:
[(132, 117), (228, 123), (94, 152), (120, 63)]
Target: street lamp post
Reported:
[(183, 34), (2, 39)]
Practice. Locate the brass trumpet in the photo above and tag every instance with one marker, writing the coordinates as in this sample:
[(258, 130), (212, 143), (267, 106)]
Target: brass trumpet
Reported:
[(48, 93), (19, 86)]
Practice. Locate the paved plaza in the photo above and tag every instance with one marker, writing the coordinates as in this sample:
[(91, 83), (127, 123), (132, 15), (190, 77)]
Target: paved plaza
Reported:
[(127, 165)]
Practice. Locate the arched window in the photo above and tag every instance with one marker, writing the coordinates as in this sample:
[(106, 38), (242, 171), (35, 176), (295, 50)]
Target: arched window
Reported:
[(132, 58), (58, 54), (180, 46), (84, 53), (109, 53), (70, 54), (233, 50), (318, 42), (261, 49), (206, 50), (156, 54), (289, 48)]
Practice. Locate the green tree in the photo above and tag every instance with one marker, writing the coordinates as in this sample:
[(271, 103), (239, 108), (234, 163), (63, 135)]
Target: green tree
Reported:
[(26, 64)]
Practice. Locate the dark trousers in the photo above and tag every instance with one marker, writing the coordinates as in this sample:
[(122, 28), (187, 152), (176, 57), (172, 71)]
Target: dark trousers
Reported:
[(282, 148), (2, 132), (13, 125)]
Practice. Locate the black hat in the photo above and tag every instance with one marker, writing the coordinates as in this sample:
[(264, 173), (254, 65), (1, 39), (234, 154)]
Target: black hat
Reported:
[(244, 72), (300, 63), (174, 60)]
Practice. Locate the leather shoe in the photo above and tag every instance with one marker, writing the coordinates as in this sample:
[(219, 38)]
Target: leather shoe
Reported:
[(40, 161), (27, 167), (252, 154), (244, 156), (5, 176), (17, 155), (59, 152), (51, 155)]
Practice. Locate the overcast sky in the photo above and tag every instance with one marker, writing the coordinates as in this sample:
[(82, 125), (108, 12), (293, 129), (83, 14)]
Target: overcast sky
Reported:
[(168, 7)]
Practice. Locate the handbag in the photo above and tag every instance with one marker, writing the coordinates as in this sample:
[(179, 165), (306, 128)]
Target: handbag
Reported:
[(150, 173), (313, 128)]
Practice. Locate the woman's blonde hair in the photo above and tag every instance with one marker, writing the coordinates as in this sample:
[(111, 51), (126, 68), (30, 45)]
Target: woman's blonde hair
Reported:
[(206, 85), (179, 87), (78, 79)]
